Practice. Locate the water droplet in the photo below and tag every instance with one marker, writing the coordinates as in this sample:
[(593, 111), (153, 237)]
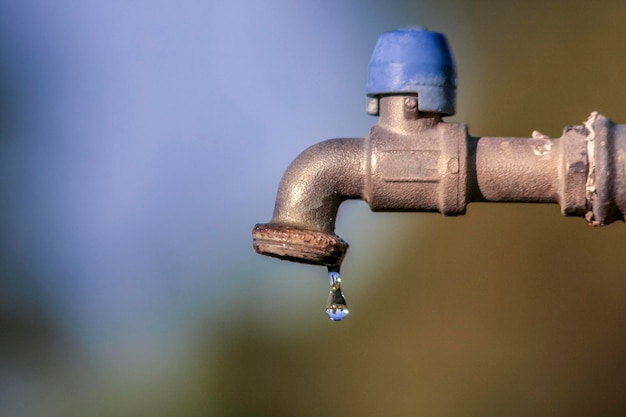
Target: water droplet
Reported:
[(336, 307)]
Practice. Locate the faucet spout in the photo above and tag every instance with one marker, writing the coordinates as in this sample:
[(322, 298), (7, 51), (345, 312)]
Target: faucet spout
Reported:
[(302, 228)]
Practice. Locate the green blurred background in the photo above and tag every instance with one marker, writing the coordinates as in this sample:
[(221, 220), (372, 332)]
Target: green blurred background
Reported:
[(163, 309)]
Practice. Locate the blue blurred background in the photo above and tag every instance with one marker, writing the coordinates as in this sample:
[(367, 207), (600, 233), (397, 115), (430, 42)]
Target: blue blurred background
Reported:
[(141, 140)]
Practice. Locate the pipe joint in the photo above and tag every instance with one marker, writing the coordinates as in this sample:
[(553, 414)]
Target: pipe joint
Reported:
[(606, 175)]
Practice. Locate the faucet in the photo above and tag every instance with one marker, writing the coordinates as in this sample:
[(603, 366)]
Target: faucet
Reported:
[(414, 161)]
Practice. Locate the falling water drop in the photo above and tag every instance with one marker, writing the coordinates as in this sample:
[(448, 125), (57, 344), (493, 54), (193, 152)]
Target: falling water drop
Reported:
[(336, 307)]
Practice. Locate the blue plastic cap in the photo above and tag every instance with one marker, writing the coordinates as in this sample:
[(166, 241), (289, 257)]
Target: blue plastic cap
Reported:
[(414, 60)]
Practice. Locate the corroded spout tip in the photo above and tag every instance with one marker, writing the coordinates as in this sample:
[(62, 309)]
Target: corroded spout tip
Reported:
[(298, 245)]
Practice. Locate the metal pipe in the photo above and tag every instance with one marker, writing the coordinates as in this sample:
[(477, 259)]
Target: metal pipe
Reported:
[(518, 169), (413, 161)]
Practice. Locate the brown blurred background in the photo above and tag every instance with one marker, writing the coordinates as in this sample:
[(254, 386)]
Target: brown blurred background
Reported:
[(510, 310)]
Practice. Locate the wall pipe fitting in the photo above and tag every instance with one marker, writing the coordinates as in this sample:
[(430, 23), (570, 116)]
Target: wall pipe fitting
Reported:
[(414, 161)]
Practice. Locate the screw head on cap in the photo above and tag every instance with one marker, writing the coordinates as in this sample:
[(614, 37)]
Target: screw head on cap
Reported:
[(417, 61)]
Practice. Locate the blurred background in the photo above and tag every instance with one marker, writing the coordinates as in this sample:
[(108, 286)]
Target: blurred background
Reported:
[(140, 141)]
